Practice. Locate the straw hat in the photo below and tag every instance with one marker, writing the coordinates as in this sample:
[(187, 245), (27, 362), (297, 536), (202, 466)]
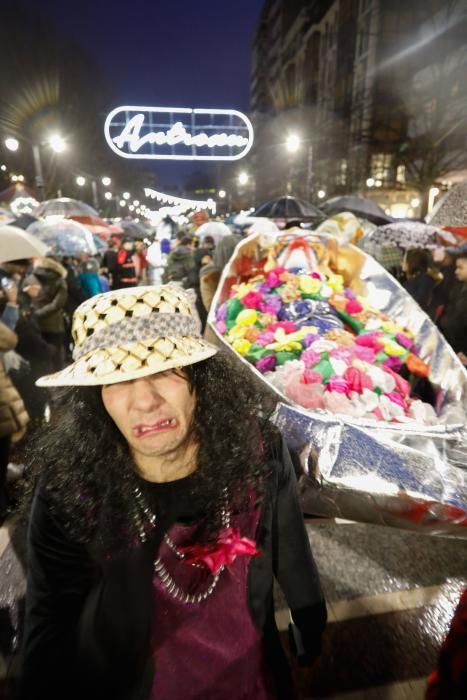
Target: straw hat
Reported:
[(131, 333)]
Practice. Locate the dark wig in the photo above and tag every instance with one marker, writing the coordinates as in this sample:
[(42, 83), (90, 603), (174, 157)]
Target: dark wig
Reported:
[(89, 474)]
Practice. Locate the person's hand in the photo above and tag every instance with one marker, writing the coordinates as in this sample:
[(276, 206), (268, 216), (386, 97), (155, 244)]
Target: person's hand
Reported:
[(11, 293), (32, 290), (462, 357)]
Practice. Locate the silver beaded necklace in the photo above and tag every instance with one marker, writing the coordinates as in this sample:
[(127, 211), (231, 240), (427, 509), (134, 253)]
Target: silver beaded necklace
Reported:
[(159, 567)]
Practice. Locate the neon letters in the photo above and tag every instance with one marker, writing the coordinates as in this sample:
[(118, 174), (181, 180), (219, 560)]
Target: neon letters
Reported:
[(165, 133)]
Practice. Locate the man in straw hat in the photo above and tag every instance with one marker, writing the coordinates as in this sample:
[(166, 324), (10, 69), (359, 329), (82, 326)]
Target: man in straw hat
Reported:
[(165, 505)]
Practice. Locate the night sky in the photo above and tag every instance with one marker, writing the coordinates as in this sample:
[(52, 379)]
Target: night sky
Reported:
[(172, 53)]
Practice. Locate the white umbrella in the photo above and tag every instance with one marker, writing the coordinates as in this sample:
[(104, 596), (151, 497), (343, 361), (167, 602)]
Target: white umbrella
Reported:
[(216, 229), (64, 237), (64, 206), (16, 244)]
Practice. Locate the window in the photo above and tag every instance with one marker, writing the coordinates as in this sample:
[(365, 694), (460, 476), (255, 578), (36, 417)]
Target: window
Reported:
[(381, 164), (400, 174)]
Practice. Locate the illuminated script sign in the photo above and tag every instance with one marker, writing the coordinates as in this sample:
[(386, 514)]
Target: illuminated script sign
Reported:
[(165, 133)]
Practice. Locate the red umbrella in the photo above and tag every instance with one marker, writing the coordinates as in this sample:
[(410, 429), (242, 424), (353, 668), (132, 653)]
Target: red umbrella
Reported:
[(94, 224)]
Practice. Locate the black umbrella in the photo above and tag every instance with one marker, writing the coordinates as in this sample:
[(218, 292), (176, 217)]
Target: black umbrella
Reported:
[(289, 208), (361, 207), (134, 230), (24, 220)]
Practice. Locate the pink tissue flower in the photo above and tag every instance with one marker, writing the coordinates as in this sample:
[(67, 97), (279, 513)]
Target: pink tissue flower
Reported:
[(397, 399), (338, 385), (369, 340), (287, 326), (312, 377), (310, 357), (403, 340), (306, 395), (315, 275), (265, 338), (353, 307), (221, 327), (266, 364), (402, 385), (363, 353), (252, 300), (357, 380), (393, 362), (343, 354)]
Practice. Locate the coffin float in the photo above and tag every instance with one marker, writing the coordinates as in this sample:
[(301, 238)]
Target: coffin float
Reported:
[(372, 398)]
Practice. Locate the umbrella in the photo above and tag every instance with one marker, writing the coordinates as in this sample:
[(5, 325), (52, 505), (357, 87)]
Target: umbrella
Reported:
[(15, 191), (410, 234), (64, 237), (94, 224), (361, 207), (216, 229), (451, 210), (289, 208), (99, 243), (64, 207), (16, 244), (24, 221), (134, 230)]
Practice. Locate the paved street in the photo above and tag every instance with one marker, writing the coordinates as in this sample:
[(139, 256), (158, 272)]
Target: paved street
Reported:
[(390, 593)]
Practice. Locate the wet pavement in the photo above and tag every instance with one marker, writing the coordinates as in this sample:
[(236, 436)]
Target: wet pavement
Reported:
[(391, 595)]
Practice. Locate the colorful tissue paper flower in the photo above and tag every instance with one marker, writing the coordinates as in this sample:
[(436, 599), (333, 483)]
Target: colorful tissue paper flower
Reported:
[(265, 338), (326, 291), (270, 304), (266, 363), (402, 385), (265, 320), (336, 282), (390, 327), (283, 356), (236, 332), (338, 385), (252, 300), (310, 376), (349, 293), (221, 313), (286, 326), (357, 380), (381, 379), (214, 555), (339, 335), (241, 346), (416, 366), (397, 399), (310, 357), (343, 354), (323, 345), (309, 395), (309, 285), (404, 340), (353, 307), (247, 317), (393, 362), (310, 339), (361, 352), (339, 366), (392, 348), (221, 327), (369, 340), (338, 403), (239, 290), (252, 333)]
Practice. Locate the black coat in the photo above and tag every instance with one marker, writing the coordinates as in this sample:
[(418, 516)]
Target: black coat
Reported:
[(87, 626), (453, 322)]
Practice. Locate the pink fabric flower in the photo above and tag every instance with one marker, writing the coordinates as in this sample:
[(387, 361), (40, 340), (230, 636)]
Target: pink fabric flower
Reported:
[(338, 384), (252, 300), (402, 385), (287, 326), (405, 341), (316, 275), (273, 279), (394, 363), (378, 414), (353, 307), (310, 357), (357, 380), (221, 327), (228, 547), (266, 364), (312, 377), (344, 354)]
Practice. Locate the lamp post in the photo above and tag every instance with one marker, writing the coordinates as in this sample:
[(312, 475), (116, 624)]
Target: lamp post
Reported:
[(292, 145), (56, 143)]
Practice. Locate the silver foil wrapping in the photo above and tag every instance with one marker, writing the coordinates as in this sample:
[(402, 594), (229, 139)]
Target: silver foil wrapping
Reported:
[(407, 475)]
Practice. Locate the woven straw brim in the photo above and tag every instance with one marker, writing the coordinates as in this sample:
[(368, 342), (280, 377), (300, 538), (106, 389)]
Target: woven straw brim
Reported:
[(131, 361)]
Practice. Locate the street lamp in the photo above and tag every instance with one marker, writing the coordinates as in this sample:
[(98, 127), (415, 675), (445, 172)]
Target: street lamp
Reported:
[(80, 181), (126, 195), (11, 143), (370, 182), (57, 143), (222, 193), (3, 167), (292, 143), (106, 181), (108, 195), (122, 203), (136, 202), (243, 178), (321, 194)]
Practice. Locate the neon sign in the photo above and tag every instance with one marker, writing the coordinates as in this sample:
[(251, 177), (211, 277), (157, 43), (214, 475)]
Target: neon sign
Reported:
[(172, 133)]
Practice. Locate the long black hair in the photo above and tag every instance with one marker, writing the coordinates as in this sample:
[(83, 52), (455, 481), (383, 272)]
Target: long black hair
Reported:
[(86, 467)]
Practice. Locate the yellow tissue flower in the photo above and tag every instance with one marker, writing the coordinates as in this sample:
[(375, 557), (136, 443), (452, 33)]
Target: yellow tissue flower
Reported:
[(392, 348), (247, 317), (242, 289), (241, 346), (309, 285), (236, 332), (336, 282)]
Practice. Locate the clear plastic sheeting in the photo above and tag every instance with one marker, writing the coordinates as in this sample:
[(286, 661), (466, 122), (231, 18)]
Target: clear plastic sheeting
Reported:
[(400, 474)]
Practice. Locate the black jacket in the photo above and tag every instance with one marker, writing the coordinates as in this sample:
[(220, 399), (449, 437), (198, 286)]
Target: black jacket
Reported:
[(87, 624), (453, 322)]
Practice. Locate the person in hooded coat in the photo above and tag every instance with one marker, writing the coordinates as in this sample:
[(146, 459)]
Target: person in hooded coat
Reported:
[(48, 308)]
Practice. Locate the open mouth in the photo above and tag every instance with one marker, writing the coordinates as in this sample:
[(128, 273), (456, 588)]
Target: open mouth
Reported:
[(157, 427)]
